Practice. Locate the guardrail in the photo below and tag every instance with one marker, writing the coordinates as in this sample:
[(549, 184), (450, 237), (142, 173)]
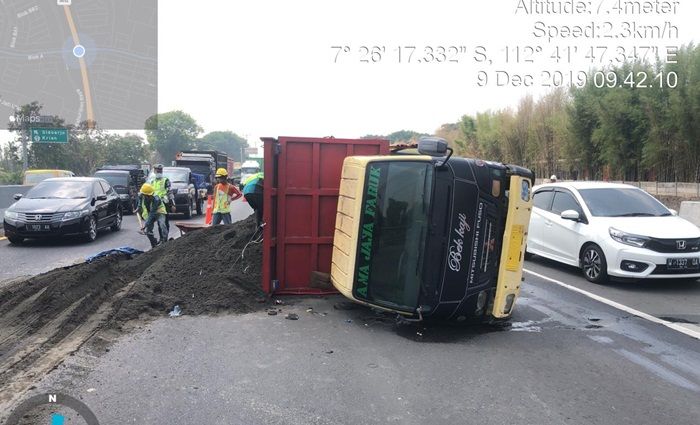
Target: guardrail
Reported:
[(7, 193)]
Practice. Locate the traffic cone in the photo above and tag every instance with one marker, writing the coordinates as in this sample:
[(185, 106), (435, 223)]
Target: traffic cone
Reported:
[(210, 209)]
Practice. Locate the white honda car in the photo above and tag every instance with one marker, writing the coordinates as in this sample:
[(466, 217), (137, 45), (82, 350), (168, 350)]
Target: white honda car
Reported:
[(610, 229)]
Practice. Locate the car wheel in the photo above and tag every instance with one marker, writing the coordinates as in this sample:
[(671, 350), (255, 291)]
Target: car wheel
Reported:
[(527, 256), (16, 240), (188, 211), (117, 222), (595, 268), (91, 234)]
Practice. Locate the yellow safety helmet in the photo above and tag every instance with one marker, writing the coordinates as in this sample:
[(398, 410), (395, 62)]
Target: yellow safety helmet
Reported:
[(147, 189), (221, 172)]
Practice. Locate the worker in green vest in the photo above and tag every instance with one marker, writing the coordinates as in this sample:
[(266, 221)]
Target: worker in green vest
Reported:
[(161, 185), (253, 192), (224, 194), (151, 210)]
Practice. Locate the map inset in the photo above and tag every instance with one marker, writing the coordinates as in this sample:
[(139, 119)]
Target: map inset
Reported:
[(83, 60)]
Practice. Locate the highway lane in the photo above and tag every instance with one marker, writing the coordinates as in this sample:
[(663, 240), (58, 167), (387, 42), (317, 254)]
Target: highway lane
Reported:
[(38, 256), (564, 359), (673, 300)]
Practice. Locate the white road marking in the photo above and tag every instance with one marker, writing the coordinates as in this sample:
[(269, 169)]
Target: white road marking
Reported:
[(675, 326)]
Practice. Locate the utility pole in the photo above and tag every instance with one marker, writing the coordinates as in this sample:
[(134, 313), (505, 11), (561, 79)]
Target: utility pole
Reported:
[(25, 155)]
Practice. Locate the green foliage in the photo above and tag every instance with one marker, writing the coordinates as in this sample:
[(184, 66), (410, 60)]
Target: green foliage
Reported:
[(620, 133), (128, 149), (224, 141), (170, 133)]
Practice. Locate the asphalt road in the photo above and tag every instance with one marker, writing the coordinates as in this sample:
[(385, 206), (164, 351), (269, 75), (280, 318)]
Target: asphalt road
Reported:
[(38, 256), (565, 359), (677, 301)]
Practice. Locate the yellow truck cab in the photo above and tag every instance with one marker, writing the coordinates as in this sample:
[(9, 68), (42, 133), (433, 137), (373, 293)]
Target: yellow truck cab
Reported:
[(430, 236), (32, 177)]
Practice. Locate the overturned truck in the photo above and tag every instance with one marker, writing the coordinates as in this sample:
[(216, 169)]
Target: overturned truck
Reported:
[(417, 232), (427, 235)]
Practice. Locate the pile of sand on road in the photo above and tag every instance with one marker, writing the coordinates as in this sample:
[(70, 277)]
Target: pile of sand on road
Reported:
[(203, 272)]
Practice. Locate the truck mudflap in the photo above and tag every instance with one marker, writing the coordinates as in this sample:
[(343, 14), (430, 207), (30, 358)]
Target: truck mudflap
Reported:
[(510, 270)]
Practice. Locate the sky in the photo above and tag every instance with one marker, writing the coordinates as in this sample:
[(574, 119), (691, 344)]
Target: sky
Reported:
[(268, 67)]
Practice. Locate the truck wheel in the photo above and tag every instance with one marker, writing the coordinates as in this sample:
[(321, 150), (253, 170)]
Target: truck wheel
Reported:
[(188, 211)]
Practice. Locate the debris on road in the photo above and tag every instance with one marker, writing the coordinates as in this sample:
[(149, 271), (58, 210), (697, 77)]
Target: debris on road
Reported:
[(56, 312), (177, 312), (292, 316)]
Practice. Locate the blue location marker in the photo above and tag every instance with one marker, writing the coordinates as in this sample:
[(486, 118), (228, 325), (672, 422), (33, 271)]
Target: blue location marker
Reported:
[(57, 419), (79, 51)]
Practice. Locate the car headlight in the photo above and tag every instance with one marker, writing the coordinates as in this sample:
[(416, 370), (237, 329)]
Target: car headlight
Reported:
[(11, 215), (72, 215), (183, 191), (628, 238)]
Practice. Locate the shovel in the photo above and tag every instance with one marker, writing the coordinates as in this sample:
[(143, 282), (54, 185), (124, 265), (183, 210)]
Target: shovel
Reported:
[(138, 217)]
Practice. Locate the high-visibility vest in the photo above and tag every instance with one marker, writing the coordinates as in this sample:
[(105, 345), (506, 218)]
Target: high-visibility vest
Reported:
[(159, 188), (155, 199), (249, 185), (222, 200)]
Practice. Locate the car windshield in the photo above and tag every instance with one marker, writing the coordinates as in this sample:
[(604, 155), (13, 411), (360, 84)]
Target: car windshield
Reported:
[(114, 179), (613, 202), (34, 178), (393, 232), (61, 190)]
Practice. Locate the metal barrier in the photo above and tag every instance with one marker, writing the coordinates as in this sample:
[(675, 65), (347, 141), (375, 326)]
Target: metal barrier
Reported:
[(8, 192)]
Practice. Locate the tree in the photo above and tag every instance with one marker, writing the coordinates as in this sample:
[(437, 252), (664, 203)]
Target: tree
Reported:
[(225, 141), (128, 149), (170, 133)]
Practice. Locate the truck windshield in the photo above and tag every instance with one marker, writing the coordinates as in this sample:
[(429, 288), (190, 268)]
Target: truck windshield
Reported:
[(393, 228)]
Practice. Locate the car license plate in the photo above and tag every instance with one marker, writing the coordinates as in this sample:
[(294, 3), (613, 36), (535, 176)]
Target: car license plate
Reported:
[(38, 227), (683, 263)]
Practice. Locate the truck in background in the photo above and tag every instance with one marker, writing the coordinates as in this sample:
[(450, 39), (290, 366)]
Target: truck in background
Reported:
[(249, 168), (429, 236), (205, 163)]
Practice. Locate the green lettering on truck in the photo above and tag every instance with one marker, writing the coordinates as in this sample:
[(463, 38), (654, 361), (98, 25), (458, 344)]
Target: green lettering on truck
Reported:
[(367, 231)]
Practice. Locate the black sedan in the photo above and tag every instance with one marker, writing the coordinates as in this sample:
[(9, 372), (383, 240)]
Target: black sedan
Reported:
[(64, 206)]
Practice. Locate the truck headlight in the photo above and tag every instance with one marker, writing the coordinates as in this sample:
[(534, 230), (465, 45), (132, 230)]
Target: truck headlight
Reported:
[(628, 238), (11, 215), (72, 215)]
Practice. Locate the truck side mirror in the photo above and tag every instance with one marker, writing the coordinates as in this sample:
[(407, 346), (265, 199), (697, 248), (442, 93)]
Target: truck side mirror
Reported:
[(433, 146)]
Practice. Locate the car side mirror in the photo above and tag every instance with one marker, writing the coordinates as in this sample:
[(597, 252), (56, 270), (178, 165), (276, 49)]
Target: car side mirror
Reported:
[(17, 196), (570, 215), (102, 197), (674, 212)]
